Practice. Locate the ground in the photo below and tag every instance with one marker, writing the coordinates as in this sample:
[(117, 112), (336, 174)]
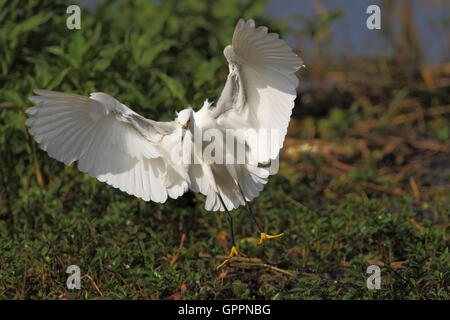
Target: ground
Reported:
[(367, 192)]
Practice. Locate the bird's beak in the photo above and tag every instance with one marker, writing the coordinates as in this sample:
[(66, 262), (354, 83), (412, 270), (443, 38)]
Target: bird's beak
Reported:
[(184, 128)]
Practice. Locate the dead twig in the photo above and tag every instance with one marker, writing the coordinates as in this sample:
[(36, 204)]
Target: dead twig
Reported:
[(93, 282), (175, 257), (415, 189), (395, 191)]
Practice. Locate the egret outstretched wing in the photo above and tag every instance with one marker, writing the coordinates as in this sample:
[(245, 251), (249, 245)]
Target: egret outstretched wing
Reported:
[(261, 85), (111, 142)]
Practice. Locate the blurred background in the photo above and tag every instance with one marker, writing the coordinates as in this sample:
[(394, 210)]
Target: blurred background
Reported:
[(364, 174)]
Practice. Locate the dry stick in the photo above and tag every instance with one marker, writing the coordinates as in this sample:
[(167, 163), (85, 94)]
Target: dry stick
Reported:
[(415, 189), (252, 262), (340, 165), (337, 293), (175, 257), (273, 268), (406, 168), (366, 125), (53, 292), (430, 145), (395, 191), (93, 282)]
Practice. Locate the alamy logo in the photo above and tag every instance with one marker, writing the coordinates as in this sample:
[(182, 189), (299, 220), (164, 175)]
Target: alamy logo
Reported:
[(229, 146), (374, 20), (374, 281), (74, 280), (74, 20)]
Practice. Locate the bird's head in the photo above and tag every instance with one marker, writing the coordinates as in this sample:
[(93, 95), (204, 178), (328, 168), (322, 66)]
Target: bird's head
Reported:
[(185, 117), (184, 120)]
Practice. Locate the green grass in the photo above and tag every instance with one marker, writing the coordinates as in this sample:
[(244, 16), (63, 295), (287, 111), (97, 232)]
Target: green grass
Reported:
[(363, 178), (126, 245)]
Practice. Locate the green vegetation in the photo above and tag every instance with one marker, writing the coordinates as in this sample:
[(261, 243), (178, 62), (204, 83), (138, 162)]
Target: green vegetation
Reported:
[(364, 177)]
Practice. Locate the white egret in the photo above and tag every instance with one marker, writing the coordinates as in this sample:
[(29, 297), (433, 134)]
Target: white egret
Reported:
[(118, 146)]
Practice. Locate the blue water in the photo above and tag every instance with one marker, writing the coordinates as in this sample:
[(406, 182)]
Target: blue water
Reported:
[(351, 36)]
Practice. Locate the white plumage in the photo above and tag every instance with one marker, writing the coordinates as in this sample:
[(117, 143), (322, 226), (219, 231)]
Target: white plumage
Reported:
[(118, 146)]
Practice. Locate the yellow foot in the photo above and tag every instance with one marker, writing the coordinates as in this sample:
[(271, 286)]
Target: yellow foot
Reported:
[(265, 236), (233, 252)]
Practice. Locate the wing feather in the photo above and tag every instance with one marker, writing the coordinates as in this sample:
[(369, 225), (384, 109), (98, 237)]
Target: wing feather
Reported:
[(110, 142), (261, 86)]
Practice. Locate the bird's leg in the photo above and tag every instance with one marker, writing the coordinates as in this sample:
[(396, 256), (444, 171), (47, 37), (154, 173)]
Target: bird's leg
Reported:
[(233, 251), (264, 236)]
